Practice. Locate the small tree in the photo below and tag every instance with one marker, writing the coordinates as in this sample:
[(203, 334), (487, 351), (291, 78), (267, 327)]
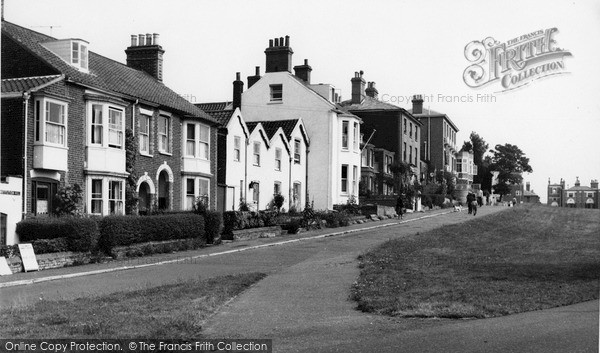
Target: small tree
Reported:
[(278, 201), (131, 196), (67, 200)]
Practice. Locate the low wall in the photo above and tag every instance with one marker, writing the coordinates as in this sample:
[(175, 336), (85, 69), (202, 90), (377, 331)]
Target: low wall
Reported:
[(254, 233), (52, 260)]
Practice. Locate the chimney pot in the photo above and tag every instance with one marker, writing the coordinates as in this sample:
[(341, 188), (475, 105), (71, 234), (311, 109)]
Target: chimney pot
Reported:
[(305, 61), (237, 76), (148, 39), (142, 40), (287, 41), (281, 41), (270, 43), (134, 40), (276, 42), (257, 71), (155, 38)]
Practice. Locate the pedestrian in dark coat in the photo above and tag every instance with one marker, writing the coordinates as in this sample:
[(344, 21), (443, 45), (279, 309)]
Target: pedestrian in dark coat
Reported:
[(399, 206), (470, 199)]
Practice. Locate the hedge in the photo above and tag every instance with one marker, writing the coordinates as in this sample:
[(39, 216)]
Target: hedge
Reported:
[(213, 223), (235, 220), (127, 230), (78, 234)]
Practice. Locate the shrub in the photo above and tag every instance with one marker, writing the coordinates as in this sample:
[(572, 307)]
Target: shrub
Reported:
[(336, 219), (9, 250), (292, 226), (81, 234), (127, 230), (68, 200), (235, 220), (213, 223)]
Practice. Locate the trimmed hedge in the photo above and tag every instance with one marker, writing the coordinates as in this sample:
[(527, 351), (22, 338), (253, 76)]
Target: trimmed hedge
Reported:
[(127, 230), (236, 220), (336, 219), (78, 234), (213, 223)]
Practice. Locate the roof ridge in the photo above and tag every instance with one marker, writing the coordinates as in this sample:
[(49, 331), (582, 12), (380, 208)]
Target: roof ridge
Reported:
[(31, 77)]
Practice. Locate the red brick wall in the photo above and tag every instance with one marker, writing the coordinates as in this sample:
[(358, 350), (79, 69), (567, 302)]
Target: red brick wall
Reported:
[(11, 141)]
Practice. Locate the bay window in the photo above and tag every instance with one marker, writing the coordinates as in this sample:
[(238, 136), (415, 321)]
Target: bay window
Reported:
[(115, 196), (196, 189), (197, 142), (115, 128), (104, 132), (106, 195), (51, 122)]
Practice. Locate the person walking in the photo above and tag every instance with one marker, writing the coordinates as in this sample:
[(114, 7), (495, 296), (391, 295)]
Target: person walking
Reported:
[(399, 206), (470, 199), (474, 206)]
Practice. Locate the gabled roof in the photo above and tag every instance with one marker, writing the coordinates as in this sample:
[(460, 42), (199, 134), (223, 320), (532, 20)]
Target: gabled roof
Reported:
[(214, 106), (105, 74), (529, 193), (222, 116), (23, 84), (287, 126)]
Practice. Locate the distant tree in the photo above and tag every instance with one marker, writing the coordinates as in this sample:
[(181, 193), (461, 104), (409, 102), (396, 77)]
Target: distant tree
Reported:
[(448, 182), (401, 171), (467, 146), (511, 163)]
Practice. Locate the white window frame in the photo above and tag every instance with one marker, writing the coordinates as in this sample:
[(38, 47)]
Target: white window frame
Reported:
[(41, 121), (79, 55), (97, 125), (278, 154), (190, 198), (297, 149), (237, 148), (199, 144), (164, 134), (345, 131), (144, 135), (106, 197), (354, 179), (256, 153), (344, 180), (118, 129), (276, 93), (106, 130), (356, 136)]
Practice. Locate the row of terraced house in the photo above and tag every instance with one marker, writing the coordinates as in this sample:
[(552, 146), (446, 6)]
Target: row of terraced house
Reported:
[(71, 116)]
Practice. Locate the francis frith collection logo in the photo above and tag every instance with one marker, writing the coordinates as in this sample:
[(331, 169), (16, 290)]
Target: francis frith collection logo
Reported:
[(515, 63)]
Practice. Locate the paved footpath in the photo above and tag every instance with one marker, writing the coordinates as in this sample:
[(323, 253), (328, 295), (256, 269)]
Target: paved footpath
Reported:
[(303, 304)]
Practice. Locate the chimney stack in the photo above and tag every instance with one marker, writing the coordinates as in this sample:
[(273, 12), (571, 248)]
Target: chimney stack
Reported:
[(145, 54), (279, 55), (238, 88), (253, 79), (358, 87), (577, 183), (594, 184), (303, 71), (371, 91), (417, 102)]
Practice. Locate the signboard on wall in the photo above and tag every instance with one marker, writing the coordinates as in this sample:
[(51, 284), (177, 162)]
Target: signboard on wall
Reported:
[(28, 257)]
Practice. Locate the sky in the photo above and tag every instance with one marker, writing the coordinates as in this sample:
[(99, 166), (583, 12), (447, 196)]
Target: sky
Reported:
[(405, 47)]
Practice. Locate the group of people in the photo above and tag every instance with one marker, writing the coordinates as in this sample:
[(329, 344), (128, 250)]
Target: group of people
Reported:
[(473, 201)]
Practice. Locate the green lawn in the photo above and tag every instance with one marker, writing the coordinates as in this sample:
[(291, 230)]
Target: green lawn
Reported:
[(174, 311), (525, 258)]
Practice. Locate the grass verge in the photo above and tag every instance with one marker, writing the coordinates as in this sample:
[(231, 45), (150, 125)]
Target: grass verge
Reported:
[(522, 259), (174, 311)]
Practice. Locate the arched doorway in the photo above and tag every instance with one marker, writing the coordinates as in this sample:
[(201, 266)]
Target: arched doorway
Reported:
[(163, 191), (145, 199)]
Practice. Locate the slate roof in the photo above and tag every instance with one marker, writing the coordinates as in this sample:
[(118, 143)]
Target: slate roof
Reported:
[(17, 85), (214, 106), (222, 116), (105, 73), (433, 114), (369, 103), (271, 127), (581, 188), (251, 125)]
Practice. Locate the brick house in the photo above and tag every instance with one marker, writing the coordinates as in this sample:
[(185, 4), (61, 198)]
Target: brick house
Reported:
[(66, 113), (390, 127), (438, 137)]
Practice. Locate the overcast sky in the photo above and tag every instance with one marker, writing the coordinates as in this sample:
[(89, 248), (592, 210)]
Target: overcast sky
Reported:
[(406, 47)]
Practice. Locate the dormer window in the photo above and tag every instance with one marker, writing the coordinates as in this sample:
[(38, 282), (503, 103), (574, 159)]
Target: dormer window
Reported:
[(79, 55), (73, 51)]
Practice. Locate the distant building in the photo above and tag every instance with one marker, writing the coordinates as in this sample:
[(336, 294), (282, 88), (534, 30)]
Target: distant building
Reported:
[(580, 196), (577, 196), (438, 137), (376, 171)]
